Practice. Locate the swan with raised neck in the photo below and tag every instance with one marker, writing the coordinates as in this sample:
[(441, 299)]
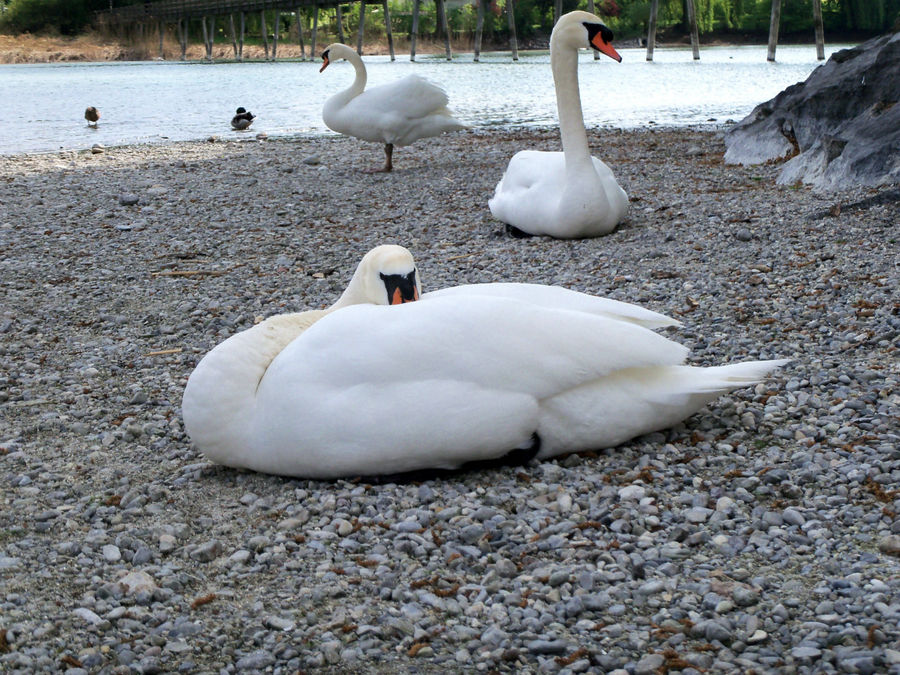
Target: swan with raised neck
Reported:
[(568, 194)]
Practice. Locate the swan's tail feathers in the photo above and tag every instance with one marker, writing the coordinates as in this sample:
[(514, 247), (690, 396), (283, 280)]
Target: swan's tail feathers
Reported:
[(736, 375)]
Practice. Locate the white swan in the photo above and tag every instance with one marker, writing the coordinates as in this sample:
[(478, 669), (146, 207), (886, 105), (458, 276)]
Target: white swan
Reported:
[(564, 194), (398, 113), (466, 374)]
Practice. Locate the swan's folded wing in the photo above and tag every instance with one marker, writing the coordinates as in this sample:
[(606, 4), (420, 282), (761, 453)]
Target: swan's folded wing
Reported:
[(491, 342), (412, 97), (382, 389), (560, 298)]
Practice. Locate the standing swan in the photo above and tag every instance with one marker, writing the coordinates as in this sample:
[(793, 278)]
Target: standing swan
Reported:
[(564, 194), (399, 113), (467, 374)]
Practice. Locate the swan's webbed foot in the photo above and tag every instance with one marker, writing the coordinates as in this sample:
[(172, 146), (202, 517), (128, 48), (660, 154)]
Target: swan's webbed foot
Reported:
[(388, 163), (516, 233)]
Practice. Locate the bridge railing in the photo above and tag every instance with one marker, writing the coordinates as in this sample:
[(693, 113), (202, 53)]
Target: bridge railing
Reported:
[(184, 9)]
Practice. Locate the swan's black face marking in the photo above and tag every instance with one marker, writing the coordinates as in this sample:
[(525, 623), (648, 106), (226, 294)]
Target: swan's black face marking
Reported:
[(600, 37), (400, 287), (325, 60)]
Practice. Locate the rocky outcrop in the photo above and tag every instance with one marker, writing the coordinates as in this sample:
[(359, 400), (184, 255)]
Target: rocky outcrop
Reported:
[(839, 128)]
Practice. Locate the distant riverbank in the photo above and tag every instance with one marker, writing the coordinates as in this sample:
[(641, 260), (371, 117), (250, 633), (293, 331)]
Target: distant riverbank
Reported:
[(94, 47)]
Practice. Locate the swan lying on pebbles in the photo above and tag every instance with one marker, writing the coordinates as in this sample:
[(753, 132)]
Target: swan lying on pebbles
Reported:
[(386, 382), (564, 194)]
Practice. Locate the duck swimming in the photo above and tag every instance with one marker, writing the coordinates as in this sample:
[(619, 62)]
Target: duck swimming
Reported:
[(399, 113), (386, 381)]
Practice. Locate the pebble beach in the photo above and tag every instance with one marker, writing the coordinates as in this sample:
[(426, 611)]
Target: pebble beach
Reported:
[(759, 536)]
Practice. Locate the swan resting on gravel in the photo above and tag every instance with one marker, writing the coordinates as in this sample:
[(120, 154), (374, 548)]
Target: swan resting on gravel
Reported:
[(386, 381), (564, 194)]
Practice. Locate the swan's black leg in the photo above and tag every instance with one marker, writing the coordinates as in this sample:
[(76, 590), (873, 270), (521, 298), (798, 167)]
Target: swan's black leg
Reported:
[(517, 457), (388, 163), (516, 233)]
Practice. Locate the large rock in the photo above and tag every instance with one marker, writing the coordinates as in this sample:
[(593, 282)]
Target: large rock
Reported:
[(841, 127)]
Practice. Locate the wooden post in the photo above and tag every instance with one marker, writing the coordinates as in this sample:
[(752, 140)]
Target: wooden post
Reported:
[(362, 25), (592, 10), (387, 25), (340, 20), (234, 48), (695, 36), (207, 42), (241, 41), (415, 30), (479, 28), (511, 22), (773, 29), (300, 34), (162, 32), (445, 27), (182, 36), (275, 30), (557, 10), (651, 30), (820, 30), (315, 30), (265, 32)]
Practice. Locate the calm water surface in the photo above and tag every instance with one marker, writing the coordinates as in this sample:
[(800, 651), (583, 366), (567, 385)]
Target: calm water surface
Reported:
[(153, 102)]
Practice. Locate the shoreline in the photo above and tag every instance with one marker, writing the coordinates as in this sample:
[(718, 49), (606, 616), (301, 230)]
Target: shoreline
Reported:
[(300, 137), (759, 534)]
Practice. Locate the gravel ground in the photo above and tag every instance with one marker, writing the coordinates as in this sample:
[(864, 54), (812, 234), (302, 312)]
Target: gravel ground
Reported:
[(761, 535)]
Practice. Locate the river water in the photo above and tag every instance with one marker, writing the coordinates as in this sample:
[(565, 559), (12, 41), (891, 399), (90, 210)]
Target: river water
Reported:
[(153, 102)]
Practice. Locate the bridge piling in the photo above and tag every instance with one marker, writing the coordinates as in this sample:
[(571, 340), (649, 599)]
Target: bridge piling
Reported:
[(415, 30), (315, 29), (387, 25), (275, 32), (479, 29), (362, 27)]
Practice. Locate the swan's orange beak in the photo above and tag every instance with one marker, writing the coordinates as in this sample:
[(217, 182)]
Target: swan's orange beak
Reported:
[(398, 298), (326, 62), (601, 45)]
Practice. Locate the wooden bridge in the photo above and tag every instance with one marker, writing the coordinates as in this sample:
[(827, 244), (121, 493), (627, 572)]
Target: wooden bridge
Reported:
[(182, 12)]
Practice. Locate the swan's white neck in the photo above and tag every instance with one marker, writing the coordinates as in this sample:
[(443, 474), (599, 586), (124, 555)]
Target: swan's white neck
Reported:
[(564, 63), (359, 83)]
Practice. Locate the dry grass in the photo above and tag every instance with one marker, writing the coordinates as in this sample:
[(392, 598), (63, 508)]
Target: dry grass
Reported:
[(45, 49)]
